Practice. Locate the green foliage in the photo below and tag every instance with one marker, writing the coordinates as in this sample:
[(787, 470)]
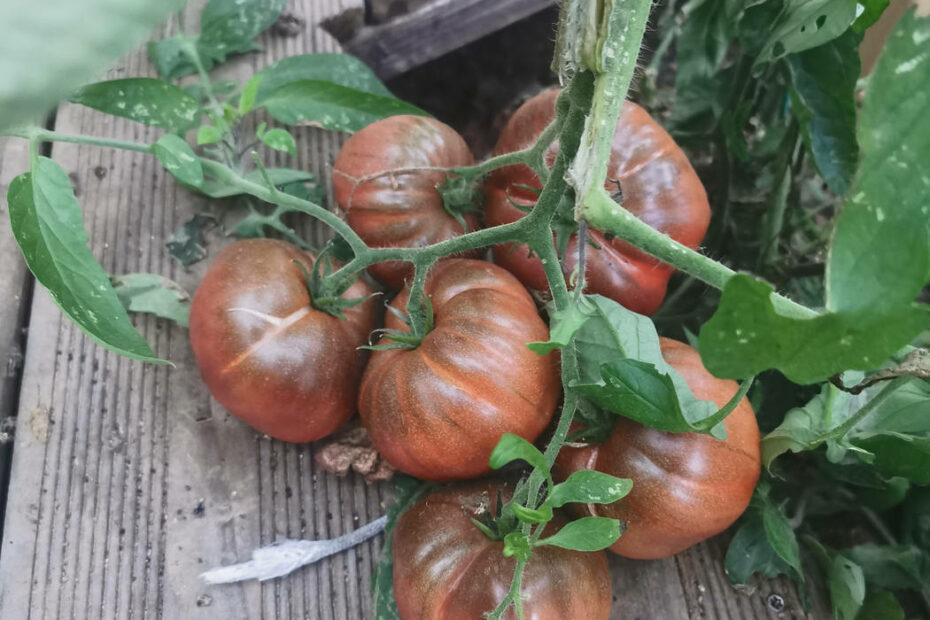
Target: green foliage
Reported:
[(585, 534), (145, 100), (48, 58), (823, 98), (179, 160), (48, 225), (280, 140), (870, 301), (153, 294), (226, 27), (590, 487)]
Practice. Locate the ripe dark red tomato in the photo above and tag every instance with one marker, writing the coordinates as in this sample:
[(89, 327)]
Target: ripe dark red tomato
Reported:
[(437, 411), (658, 185), (687, 487), (266, 354), (403, 209), (445, 568)]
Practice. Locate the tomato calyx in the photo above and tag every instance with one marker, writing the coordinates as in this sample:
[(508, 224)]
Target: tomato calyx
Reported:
[(418, 328), (332, 303), (500, 523), (460, 196)]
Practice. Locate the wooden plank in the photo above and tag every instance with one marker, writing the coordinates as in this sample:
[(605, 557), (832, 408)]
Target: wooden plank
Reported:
[(15, 291), (129, 480), (432, 30)]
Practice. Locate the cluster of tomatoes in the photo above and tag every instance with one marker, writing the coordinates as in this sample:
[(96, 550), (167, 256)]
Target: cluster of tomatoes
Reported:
[(437, 409)]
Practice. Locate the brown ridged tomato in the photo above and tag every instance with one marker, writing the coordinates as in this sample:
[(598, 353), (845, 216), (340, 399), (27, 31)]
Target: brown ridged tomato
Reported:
[(266, 354), (437, 411), (687, 487), (445, 568), (658, 185), (403, 208)]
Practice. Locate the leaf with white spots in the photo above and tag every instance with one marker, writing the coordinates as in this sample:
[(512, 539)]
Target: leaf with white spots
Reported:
[(145, 100), (179, 159), (280, 140), (590, 487), (331, 106), (880, 254), (49, 227), (341, 69), (230, 26)]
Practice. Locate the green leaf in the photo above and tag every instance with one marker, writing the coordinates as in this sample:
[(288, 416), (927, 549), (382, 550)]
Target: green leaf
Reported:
[(280, 140), (56, 45), (543, 514), (781, 536), (804, 427), (169, 57), (186, 244), (873, 10), (179, 159), (279, 176), (407, 492), (897, 454), (340, 69), (513, 448), (48, 225), (230, 26), (803, 24), (517, 544), (331, 106), (881, 605), (562, 327), (153, 294), (590, 487), (823, 98), (892, 567), (249, 92), (613, 333), (907, 410), (208, 134), (750, 552), (145, 100), (747, 335), (585, 534), (880, 256), (847, 587)]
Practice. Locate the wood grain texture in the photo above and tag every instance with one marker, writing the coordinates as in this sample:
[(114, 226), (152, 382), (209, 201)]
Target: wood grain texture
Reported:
[(15, 293), (432, 30), (129, 480)]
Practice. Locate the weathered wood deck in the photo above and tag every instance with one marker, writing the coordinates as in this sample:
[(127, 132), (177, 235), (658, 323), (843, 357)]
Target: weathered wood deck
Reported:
[(128, 481)]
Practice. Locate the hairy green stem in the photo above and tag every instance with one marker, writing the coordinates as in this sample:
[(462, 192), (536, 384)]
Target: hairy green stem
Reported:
[(840, 431), (513, 595)]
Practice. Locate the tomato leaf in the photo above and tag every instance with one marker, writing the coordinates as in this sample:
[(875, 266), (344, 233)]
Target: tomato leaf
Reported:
[(590, 487), (153, 294), (407, 492), (249, 92), (585, 534), (880, 605), (750, 552), (823, 99), (331, 106), (56, 45), (208, 134), (803, 24), (746, 335), (517, 544), (280, 140), (563, 325), (145, 100), (230, 26), (897, 454), (513, 448), (179, 159), (886, 218), (543, 514), (341, 69), (781, 536), (847, 587), (872, 12), (892, 567), (187, 243), (49, 227)]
